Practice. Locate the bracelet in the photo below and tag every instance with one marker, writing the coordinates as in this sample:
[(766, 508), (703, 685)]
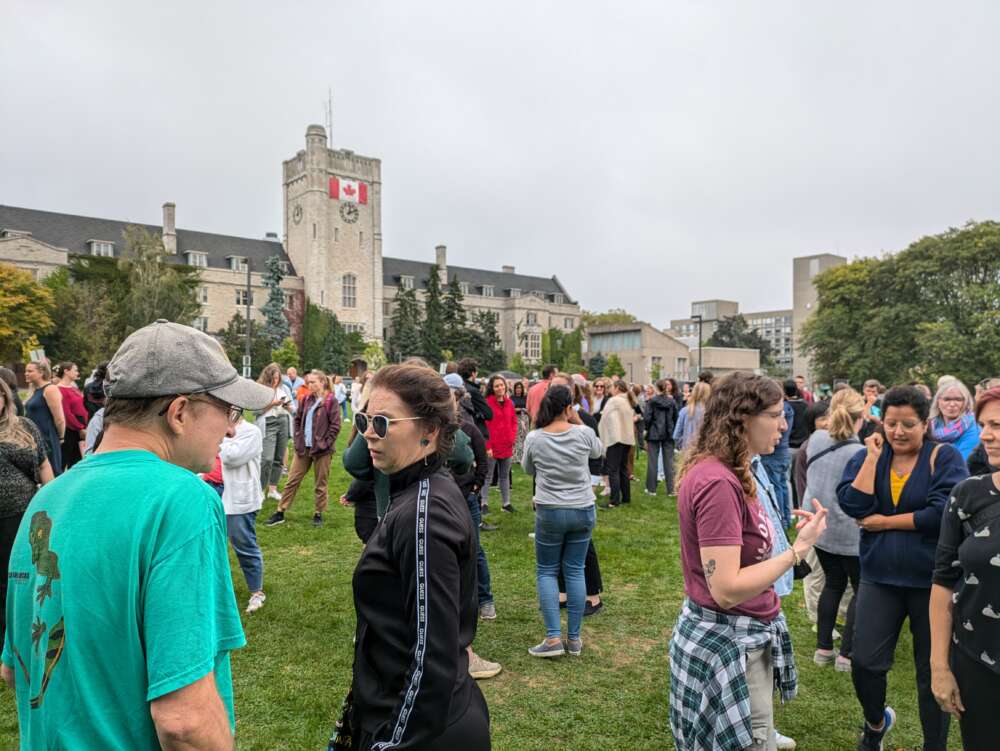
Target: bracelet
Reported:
[(796, 558)]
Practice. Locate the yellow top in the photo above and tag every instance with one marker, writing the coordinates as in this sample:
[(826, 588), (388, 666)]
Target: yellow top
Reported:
[(896, 483)]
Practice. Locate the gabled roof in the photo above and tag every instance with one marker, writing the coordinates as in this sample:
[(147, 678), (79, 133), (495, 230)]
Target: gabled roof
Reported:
[(73, 232), (394, 268)]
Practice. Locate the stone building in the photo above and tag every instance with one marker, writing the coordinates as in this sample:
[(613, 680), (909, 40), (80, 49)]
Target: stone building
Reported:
[(331, 253), (641, 347)]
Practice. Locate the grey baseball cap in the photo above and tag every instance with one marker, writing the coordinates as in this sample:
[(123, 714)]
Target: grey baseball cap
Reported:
[(166, 358)]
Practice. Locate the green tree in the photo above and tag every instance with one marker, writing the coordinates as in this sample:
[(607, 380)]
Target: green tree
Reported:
[(84, 318), (275, 323), (484, 341), (517, 364), (234, 338), (656, 371), (287, 355), (433, 329), (614, 366), (596, 365), (374, 355), (325, 344), (733, 331), (155, 289), (454, 318), (406, 322), (26, 308), (615, 315)]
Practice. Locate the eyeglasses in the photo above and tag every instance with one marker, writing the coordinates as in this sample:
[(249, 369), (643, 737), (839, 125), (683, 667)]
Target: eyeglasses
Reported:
[(379, 423), (234, 413)]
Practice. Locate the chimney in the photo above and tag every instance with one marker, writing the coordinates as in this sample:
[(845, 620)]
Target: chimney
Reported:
[(169, 229), (272, 236), (441, 259), (507, 269)]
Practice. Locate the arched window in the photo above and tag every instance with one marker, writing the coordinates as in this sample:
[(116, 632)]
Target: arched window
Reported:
[(349, 291)]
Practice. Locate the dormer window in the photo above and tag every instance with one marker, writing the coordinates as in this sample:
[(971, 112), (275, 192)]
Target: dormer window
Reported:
[(102, 248), (406, 282), (463, 287), (237, 263), (285, 269), (557, 298), (194, 258), (515, 292), (487, 290)]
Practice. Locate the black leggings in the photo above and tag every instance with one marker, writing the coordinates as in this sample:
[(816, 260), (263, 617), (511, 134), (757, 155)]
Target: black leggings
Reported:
[(837, 569), (979, 687), (881, 610), (591, 573), (8, 531), (470, 732), (617, 465)]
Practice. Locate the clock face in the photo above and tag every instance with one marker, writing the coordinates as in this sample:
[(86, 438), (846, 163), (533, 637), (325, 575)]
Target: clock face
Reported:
[(297, 214), (349, 212)]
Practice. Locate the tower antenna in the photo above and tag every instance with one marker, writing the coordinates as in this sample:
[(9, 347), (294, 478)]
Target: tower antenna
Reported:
[(329, 115)]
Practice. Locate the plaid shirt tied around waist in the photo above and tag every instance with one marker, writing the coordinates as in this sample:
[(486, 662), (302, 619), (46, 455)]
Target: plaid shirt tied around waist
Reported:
[(709, 696)]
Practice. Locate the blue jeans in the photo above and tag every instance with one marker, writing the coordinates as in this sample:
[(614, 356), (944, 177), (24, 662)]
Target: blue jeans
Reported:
[(242, 531), (482, 567), (562, 536), (777, 466), (343, 408)]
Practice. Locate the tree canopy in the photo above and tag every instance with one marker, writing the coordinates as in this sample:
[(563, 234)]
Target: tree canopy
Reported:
[(26, 308), (615, 315), (275, 324), (733, 331)]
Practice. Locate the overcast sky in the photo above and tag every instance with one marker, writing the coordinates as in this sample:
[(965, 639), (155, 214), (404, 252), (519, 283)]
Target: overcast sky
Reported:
[(648, 154)]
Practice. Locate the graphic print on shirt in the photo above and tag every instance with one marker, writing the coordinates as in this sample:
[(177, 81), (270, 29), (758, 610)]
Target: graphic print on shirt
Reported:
[(46, 563), (766, 531)]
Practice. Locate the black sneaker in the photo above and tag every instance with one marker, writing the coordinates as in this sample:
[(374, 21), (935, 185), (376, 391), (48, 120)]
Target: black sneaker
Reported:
[(484, 509), (484, 527), (317, 520), (871, 740), (278, 517), (590, 609), (509, 508)]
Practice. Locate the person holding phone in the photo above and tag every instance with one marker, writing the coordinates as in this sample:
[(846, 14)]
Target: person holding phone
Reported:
[(897, 487), (273, 424)]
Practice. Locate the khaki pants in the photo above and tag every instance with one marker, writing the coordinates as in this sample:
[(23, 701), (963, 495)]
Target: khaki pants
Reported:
[(300, 465), (760, 682)]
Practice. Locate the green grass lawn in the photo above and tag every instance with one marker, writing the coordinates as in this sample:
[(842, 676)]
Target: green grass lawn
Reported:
[(291, 677)]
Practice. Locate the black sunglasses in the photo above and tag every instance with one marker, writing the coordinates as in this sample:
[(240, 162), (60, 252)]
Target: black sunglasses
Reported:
[(379, 423)]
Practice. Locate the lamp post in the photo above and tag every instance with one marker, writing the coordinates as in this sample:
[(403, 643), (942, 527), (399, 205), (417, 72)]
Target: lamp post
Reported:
[(246, 351), (699, 319)]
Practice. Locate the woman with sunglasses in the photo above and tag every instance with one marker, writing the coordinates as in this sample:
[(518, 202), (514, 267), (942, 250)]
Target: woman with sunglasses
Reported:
[(897, 488), (415, 585), (317, 424)]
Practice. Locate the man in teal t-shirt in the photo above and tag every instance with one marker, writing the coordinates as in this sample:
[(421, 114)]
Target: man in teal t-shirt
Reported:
[(120, 612)]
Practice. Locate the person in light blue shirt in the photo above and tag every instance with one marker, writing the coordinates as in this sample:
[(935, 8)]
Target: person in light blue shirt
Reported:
[(293, 380)]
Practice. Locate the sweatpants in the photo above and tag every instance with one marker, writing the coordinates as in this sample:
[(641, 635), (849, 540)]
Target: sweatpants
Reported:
[(979, 688), (617, 465), (470, 732), (879, 614)]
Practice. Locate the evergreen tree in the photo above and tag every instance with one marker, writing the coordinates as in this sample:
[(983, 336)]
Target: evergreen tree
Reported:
[(613, 367), (454, 318), (433, 331), (275, 323), (234, 339), (484, 342), (596, 365), (406, 320)]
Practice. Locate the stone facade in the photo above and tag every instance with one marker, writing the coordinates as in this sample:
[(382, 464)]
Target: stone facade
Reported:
[(725, 360), (33, 255), (640, 346), (804, 299)]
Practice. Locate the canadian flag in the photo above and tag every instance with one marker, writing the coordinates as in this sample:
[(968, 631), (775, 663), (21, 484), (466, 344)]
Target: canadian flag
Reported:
[(351, 191)]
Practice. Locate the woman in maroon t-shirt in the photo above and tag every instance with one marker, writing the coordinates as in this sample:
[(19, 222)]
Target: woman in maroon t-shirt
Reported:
[(726, 553)]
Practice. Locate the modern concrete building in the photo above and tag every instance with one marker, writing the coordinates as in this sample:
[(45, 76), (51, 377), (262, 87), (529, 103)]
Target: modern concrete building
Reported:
[(640, 347), (725, 360), (804, 298), (775, 327), (711, 312)]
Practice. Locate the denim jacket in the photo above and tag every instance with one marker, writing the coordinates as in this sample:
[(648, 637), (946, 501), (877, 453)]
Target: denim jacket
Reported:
[(765, 492)]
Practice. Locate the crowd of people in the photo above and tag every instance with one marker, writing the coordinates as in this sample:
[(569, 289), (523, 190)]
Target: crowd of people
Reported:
[(880, 501)]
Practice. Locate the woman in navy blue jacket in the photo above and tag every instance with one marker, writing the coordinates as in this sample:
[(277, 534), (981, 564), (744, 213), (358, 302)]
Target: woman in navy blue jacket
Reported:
[(897, 488)]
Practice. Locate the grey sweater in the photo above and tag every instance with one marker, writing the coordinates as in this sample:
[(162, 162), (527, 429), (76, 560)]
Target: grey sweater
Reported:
[(560, 465), (842, 534)]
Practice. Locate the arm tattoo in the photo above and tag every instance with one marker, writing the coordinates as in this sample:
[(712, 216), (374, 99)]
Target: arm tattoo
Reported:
[(709, 570)]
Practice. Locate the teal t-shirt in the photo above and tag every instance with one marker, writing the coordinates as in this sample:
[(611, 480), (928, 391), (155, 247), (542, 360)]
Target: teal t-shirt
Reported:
[(119, 592)]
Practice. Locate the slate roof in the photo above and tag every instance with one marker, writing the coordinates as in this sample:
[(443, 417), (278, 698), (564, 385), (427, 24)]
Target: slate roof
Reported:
[(394, 268), (73, 233)]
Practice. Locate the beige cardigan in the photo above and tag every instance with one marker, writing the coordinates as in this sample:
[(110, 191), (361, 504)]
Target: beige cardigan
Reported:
[(617, 422)]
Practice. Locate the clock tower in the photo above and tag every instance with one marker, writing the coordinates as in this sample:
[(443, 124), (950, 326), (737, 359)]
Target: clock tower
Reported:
[(333, 230)]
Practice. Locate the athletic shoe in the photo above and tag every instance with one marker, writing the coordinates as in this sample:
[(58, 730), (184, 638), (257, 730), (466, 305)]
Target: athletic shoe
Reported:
[(823, 656), (842, 664), (871, 740), (484, 527), (531, 535), (274, 494), (481, 669), (547, 650), (574, 647), (317, 520), (278, 517), (484, 509), (649, 492), (488, 611), (256, 602), (783, 741), (589, 610), (606, 491), (562, 604), (509, 508)]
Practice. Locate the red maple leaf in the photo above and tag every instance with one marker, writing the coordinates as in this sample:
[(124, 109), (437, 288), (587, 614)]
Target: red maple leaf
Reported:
[(349, 190)]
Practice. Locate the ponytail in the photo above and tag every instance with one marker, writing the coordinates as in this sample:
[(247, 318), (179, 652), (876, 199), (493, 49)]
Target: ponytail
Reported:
[(846, 408), (554, 403)]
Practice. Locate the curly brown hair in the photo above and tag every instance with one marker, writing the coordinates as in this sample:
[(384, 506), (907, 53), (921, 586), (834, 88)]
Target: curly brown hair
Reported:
[(723, 432)]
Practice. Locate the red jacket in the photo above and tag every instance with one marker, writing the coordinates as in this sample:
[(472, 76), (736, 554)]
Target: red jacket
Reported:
[(325, 426), (503, 427)]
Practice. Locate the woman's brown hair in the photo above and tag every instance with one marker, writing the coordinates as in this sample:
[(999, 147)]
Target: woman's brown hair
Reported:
[(723, 434), (267, 375), (426, 395)]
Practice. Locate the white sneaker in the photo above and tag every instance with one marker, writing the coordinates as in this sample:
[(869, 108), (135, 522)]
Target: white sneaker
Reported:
[(274, 494), (783, 741), (256, 602)]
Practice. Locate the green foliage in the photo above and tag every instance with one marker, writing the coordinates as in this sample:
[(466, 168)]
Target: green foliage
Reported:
[(454, 318), (733, 331), (929, 310), (433, 330), (287, 355), (325, 343), (374, 355), (85, 321), (596, 365), (562, 349), (615, 315), (406, 321), (656, 371), (234, 338), (517, 364), (483, 342), (614, 367), (275, 324), (26, 308)]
